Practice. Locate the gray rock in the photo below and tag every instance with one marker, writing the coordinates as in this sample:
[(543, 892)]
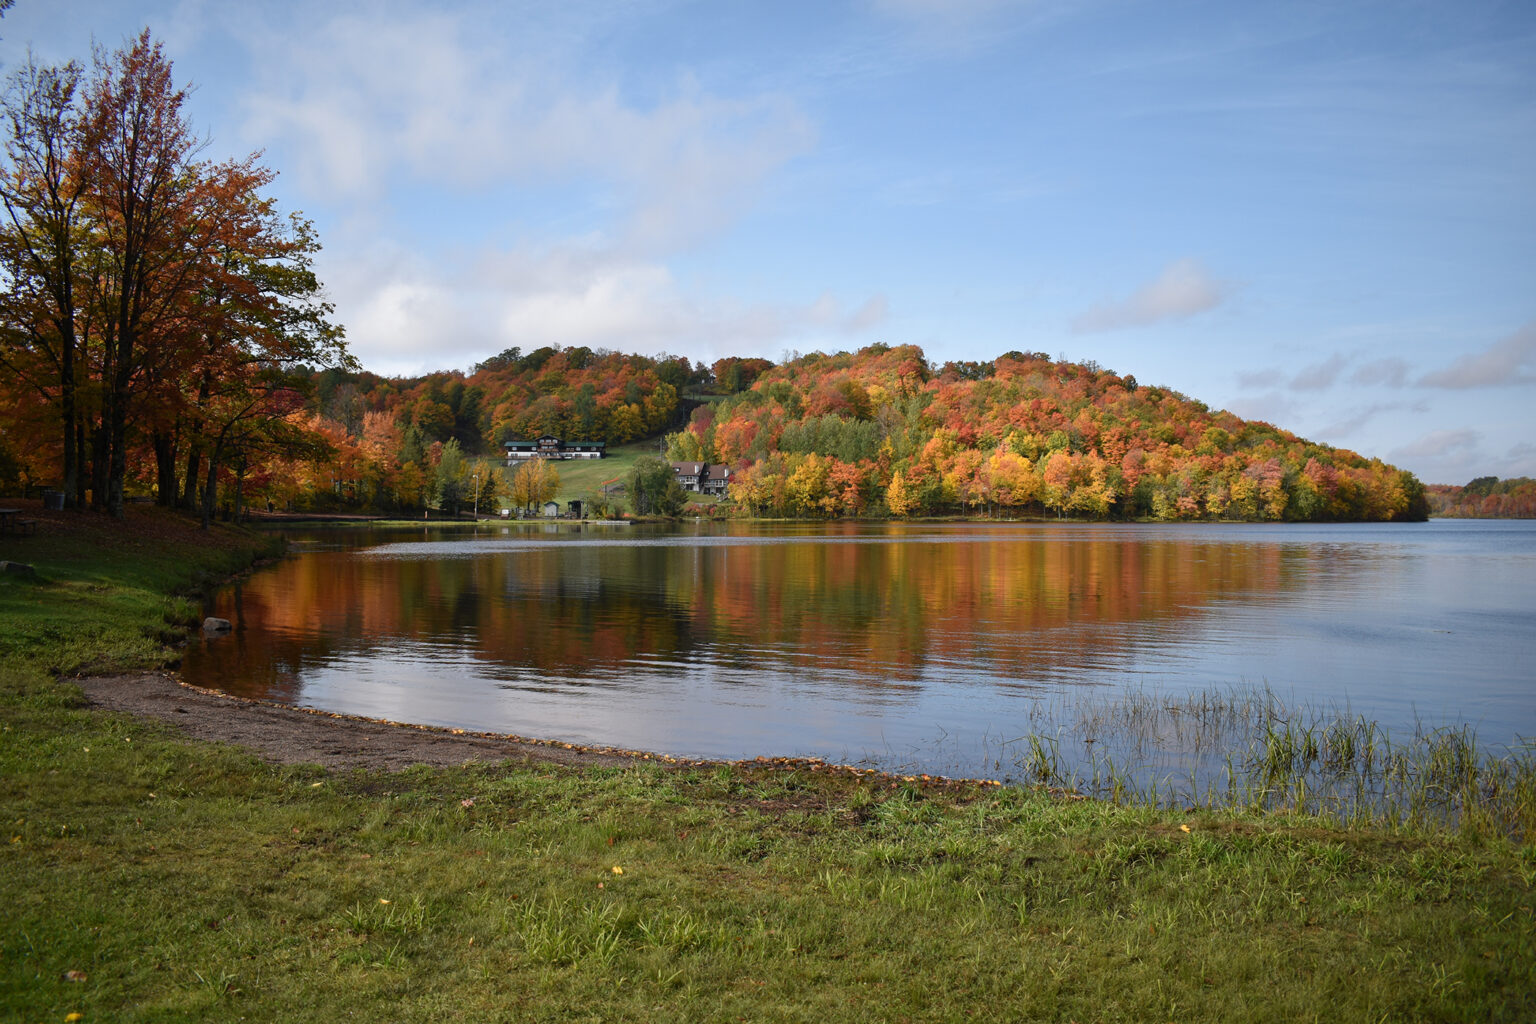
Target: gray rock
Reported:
[(21, 569), (213, 625)]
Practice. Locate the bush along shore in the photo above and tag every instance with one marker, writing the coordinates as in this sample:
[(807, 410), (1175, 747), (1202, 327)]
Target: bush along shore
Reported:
[(148, 876)]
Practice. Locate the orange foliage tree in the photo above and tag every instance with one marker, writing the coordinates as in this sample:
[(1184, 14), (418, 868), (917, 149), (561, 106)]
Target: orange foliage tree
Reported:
[(152, 302)]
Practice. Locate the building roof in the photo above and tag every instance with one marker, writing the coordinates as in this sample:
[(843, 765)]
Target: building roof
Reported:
[(689, 468), (556, 440)]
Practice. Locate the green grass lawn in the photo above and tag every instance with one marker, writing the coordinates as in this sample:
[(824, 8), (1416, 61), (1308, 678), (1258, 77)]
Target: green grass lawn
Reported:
[(149, 878), (583, 479)]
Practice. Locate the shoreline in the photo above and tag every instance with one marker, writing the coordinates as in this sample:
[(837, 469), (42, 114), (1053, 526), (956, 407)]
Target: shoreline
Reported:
[(287, 734)]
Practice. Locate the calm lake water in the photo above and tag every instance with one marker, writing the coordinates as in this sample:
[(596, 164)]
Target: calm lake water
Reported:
[(919, 648)]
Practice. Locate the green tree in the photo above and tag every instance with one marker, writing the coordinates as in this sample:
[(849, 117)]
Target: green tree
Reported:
[(451, 476), (653, 488)]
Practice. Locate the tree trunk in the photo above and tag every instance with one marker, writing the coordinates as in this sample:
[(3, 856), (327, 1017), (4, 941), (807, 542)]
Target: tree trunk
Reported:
[(210, 490), (165, 469), (81, 476), (71, 482), (99, 455), (194, 474), (239, 487)]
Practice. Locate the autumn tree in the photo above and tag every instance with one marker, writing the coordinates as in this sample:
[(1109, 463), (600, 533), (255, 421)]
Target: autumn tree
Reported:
[(899, 497), (146, 295), (535, 482), (653, 488), (44, 191)]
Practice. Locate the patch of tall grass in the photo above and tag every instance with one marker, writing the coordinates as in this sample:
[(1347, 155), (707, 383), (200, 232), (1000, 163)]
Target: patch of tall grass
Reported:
[(1246, 751)]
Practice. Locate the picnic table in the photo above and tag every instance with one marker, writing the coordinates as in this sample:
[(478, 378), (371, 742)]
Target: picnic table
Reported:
[(10, 520)]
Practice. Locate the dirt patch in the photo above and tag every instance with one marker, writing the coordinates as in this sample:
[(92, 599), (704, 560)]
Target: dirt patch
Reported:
[(283, 734), (288, 735)]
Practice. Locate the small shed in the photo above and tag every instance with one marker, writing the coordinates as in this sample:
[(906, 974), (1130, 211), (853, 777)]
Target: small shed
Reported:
[(551, 510)]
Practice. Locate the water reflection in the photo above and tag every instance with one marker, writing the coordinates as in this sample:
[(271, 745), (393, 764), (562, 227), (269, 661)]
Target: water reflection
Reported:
[(859, 642)]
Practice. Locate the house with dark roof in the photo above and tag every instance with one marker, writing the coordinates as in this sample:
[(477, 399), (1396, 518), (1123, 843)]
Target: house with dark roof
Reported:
[(689, 474), (702, 477), (551, 447), (716, 479)]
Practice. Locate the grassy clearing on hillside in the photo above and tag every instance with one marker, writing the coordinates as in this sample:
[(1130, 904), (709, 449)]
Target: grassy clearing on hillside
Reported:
[(183, 881), (583, 479)]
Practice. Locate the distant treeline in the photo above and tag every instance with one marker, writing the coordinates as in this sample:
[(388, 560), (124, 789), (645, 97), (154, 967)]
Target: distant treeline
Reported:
[(1487, 497)]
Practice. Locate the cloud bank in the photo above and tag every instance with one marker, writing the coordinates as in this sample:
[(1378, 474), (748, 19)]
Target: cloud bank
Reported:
[(1507, 362), (1183, 289)]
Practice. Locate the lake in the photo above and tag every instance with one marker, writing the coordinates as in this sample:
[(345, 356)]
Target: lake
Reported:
[(910, 647)]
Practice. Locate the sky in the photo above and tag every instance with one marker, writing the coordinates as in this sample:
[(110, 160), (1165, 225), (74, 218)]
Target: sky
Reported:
[(1318, 214)]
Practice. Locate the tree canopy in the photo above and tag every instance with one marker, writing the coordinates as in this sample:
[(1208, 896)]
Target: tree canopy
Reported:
[(155, 309)]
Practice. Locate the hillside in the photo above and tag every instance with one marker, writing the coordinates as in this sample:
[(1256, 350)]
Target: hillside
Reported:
[(877, 432), (882, 431), (1487, 497)]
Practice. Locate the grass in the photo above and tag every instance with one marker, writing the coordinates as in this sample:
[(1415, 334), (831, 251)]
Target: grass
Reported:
[(583, 479), (183, 881), (1246, 750)]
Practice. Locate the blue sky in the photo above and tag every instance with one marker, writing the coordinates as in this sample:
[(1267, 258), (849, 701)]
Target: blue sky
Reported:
[(1318, 214)]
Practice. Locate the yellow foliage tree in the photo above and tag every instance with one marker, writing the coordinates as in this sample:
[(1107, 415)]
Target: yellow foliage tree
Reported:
[(899, 497), (536, 481)]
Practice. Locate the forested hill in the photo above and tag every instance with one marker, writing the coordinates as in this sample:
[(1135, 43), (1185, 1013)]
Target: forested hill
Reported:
[(883, 431), (574, 393), (878, 432), (1487, 497)]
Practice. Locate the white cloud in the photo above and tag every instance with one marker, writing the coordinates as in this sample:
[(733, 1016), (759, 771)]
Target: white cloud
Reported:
[(430, 132), (1269, 377), (1358, 418), (1520, 460), (1438, 444), (1319, 376), (410, 317), (364, 103), (1509, 361), (871, 314), (1392, 373), (1183, 289), (1270, 408)]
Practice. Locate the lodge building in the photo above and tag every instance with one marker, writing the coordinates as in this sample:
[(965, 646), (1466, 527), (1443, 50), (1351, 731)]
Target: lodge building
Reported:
[(551, 447)]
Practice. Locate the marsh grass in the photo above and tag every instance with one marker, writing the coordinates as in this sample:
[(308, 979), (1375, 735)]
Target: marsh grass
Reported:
[(1246, 750)]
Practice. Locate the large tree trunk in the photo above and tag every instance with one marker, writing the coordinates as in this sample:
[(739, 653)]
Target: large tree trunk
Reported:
[(239, 487), (99, 457), (194, 474), (165, 469), (81, 472), (210, 490), (117, 473), (71, 481)]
